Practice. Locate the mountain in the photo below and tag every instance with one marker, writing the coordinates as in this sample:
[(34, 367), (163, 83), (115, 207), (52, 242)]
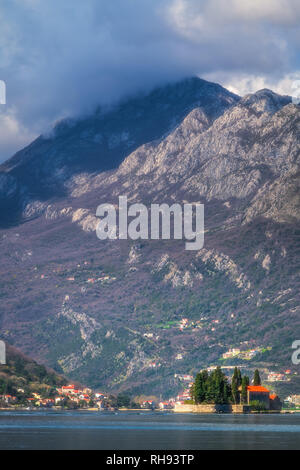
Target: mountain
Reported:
[(130, 315), (100, 141), (21, 372)]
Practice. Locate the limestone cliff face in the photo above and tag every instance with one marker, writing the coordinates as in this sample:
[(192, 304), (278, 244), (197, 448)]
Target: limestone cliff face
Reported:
[(249, 154)]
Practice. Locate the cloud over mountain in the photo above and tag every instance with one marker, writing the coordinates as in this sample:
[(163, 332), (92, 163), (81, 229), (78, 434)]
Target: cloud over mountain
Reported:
[(62, 58)]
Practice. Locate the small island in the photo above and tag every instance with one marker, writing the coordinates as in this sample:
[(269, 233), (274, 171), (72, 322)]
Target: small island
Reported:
[(212, 393)]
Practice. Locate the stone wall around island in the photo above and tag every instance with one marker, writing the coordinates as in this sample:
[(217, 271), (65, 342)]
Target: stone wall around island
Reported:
[(188, 408)]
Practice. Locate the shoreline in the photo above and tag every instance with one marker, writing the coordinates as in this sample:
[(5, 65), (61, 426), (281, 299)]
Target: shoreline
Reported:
[(207, 412)]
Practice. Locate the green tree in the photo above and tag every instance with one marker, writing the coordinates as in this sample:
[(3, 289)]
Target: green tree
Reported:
[(239, 377), (245, 383), (235, 384), (200, 387), (112, 401), (257, 405), (135, 405), (82, 404), (256, 379), (219, 382), (2, 387), (217, 387), (213, 388), (210, 390), (123, 400), (234, 392)]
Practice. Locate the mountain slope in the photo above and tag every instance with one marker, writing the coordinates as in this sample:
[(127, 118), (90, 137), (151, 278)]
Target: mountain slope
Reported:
[(21, 372), (130, 315), (101, 141)]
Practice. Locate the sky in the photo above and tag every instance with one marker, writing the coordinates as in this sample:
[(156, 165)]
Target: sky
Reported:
[(62, 58)]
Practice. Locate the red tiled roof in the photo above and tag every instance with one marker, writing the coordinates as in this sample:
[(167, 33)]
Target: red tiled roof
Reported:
[(257, 388)]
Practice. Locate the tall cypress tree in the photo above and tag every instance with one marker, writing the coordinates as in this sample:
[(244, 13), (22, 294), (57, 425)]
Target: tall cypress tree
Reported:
[(200, 387), (234, 391), (210, 390), (235, 374), (245, 383), (218, 386), (239, 378), (256, 378), (235, 386), (225, 392)]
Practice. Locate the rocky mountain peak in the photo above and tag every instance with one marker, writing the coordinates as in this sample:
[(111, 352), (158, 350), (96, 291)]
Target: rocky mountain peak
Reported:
[(265, 101)]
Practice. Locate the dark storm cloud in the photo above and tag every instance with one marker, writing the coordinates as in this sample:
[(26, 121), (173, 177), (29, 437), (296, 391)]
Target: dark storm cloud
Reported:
[(63, 57)]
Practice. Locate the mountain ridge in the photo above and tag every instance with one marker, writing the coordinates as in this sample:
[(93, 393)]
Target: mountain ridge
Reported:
[(102, 141), (109, 313)]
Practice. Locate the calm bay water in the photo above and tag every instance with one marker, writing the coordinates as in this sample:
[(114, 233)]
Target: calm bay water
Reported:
[(146, 430)]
